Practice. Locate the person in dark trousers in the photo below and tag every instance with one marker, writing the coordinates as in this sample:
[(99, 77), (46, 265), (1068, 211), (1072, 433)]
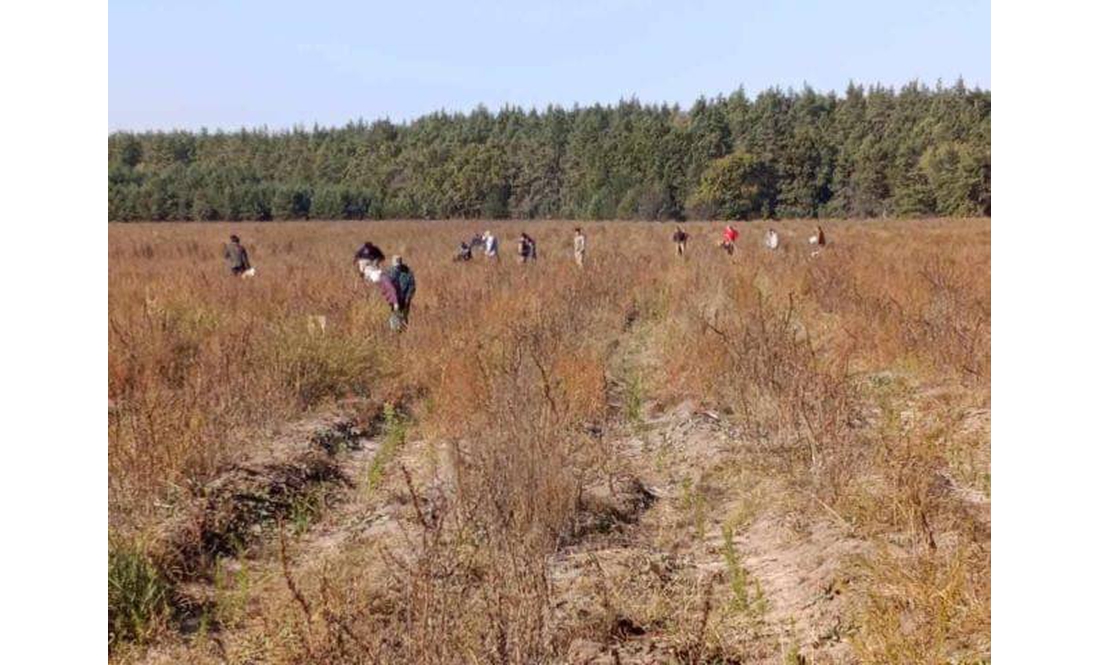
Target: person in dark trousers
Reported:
[(237, 257), (527, 249), (680, 237), (465, 252), (404, 284), (818, 239), (729, 238)]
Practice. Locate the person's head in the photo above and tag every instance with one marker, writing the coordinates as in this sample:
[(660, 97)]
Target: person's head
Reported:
[(234, 238), (577, 230), (398, 261)]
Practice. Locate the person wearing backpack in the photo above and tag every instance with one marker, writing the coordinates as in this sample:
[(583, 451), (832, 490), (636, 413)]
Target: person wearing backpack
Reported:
[(404, 284)]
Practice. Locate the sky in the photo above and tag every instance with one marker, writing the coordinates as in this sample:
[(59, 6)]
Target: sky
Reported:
[(227, 65)]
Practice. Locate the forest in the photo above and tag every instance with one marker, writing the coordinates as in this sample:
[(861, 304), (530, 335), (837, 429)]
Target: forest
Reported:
[(872, 152)]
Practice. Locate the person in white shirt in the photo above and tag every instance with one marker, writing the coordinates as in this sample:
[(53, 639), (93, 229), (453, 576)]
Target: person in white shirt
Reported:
[(491, 246), (771, 239)]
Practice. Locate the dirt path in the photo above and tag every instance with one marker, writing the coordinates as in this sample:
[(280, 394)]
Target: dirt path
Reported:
[(708, 572), (715, 566)]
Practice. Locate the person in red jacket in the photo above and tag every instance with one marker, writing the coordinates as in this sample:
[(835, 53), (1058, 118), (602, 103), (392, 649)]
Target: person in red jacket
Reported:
[(729, 236)]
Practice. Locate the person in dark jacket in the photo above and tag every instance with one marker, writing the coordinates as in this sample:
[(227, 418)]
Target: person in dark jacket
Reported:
[(404, 284), (680, 237), (527, 249), (465, 252), (237, 257)]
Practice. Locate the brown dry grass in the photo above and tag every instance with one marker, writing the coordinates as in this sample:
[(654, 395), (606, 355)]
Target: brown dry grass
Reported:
[(863, 369)]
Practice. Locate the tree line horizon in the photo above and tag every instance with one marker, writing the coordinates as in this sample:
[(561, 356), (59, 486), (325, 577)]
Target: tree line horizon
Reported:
[(872, 152)]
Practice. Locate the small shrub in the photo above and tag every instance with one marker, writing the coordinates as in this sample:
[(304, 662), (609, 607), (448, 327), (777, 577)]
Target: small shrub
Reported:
[(319, 367), (394, 431), (743, 598), (137, 593)]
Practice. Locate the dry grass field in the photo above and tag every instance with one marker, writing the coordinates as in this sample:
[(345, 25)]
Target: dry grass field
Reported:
[(774, 457)]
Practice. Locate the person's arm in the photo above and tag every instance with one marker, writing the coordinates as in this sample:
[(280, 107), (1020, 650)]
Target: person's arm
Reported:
[(389, 291)]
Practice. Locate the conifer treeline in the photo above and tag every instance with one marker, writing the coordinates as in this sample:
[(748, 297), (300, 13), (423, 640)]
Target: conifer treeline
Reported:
[(870, 152)]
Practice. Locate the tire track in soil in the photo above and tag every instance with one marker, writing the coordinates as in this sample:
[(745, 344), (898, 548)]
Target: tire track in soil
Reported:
[(346, 513), (659, 587)]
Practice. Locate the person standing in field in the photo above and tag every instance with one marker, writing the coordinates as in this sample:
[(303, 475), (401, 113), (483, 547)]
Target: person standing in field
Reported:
[(579, 246), (526, 247), (729, 237), (404, 283), (237, 258), (771, 240), (818, 238), (491, 246), (680, 237)]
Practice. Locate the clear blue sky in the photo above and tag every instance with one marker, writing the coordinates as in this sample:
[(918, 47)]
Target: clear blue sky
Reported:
[(231, 64)]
